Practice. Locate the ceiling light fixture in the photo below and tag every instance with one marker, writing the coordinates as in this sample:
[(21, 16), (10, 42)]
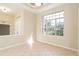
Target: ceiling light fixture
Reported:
[(4, 9), (38, 4)]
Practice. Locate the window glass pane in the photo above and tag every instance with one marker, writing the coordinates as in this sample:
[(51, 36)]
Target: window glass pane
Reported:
[(61, 15), (61, 32), (57, 21), (45, 17), (58, 32), (57, 16), (61, 19), (61, 12), (53, 24), (54, 17), (51, 17), (61, 24)]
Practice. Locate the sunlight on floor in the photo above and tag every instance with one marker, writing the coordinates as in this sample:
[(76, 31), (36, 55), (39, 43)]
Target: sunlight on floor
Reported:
[(30, 41)]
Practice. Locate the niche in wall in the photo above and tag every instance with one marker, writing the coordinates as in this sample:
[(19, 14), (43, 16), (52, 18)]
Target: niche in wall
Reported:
[(4, 29)]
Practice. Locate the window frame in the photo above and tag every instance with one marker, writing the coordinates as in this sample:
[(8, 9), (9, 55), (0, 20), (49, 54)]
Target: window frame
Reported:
[(42, 21)]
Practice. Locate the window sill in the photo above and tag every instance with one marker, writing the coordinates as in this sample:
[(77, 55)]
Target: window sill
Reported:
[(52, 36)]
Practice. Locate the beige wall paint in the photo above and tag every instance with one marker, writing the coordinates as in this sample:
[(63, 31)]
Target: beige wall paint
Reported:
[(29, 25), (6, 18), (78, 30), (19, 20), (69, 40), (10, 40), (13, 39)]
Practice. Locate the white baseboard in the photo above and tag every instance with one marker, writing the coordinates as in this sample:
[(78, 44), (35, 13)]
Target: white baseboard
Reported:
[(60, 46), (13, 45)]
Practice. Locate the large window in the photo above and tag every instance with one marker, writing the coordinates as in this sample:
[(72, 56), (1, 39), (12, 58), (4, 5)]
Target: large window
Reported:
[(53, 24)]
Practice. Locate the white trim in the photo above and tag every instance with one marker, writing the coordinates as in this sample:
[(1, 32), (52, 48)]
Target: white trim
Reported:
[(13, 45), (60, 46)]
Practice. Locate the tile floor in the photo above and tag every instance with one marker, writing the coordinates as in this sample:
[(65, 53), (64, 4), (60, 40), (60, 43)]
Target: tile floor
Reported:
[(37, 49)]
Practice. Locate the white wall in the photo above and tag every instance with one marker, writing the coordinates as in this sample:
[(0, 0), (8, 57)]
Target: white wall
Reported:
[(29, 25), (19, 23), (69, 40), (10, 40), (78, 30)]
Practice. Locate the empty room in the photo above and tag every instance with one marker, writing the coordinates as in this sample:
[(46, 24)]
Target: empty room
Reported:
[(39, 29)]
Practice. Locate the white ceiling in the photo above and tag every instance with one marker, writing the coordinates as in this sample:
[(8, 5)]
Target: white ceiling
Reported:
[(17, 7), (31, 5), (41, 9), (14, 7)]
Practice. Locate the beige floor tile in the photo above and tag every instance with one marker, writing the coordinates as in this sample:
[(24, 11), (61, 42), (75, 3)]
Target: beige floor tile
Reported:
[(37, 49)]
